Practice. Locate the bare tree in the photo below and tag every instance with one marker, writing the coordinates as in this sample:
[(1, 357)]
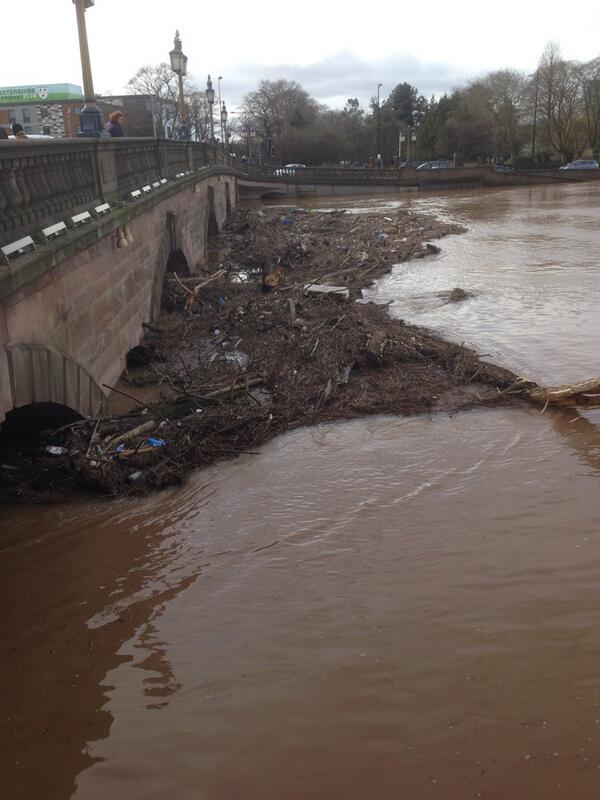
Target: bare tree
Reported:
[(160, 82), (198, 109), (276, 105), (560, 100), (591, 103), (507, 103)]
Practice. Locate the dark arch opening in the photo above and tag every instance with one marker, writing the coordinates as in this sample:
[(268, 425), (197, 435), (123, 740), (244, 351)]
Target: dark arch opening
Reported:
[(212, 227), (27, 422), (228, 199), (177, 262)]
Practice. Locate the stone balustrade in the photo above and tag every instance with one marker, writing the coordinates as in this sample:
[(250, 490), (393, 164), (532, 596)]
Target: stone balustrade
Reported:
[(351, 176), (44, 181)]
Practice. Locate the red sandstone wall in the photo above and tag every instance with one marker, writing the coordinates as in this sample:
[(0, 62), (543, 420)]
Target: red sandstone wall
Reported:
[(91, 306)]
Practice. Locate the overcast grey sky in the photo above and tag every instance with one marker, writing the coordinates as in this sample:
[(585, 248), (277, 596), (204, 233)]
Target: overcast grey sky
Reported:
[(335, 48)]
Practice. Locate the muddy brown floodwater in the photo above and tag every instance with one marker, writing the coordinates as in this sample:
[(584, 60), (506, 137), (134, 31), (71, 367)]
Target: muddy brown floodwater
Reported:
[(382, 608)]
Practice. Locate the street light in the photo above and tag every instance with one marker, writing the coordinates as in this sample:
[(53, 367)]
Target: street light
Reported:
[(210, 99), (90, 119), (224, 126), (219, 79), (379, 85), (179, 66)]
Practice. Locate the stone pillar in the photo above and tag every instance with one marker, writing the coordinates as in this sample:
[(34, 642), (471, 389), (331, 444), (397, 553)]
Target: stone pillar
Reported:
[(106, 171)]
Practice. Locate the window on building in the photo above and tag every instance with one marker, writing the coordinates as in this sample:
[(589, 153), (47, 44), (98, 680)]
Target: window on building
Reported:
[(47, 130), (26, 115), (43, 112), (12, 115), (28, 129)]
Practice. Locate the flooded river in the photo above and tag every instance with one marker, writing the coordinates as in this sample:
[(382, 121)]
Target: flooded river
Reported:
[(531, 260), (384, 608)]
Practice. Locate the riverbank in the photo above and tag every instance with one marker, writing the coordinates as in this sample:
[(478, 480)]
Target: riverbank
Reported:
[(259, 345)]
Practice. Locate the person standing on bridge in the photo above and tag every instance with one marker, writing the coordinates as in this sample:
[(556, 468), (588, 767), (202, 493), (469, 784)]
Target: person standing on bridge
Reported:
[(18, 131), (115, 124)]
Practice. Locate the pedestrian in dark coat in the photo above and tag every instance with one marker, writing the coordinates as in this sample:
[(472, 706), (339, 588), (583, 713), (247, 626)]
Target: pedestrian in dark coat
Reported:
[(115, 127), (18, 131)]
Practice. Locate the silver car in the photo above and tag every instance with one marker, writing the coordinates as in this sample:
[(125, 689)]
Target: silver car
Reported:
[(439, 164), (582, 163)]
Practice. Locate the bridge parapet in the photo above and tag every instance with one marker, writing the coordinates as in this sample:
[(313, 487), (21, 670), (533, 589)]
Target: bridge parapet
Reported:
[(45, 181), (351, 176)]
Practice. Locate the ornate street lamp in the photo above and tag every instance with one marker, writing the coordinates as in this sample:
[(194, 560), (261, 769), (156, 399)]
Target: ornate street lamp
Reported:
[(90, 119), (219, 79), (179, 66), (224, 125), (379, 85), (210, 99)]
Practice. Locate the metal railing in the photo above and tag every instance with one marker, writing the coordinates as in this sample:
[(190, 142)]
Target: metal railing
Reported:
[(44, 181)]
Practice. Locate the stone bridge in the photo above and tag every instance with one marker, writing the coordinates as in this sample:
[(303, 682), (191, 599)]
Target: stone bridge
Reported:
[(266, 182), (87, 230)]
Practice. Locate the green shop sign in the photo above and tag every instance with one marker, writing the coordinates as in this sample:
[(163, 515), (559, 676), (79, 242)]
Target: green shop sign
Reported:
[(10, 95)]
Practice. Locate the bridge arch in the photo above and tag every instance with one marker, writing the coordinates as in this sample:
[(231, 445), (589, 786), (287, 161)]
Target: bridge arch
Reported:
[(41, 375)]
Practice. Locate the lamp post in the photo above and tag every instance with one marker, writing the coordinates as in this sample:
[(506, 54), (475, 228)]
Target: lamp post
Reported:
[(224, 126), (379, 85), (210, 99), (90, 119), (179, 67), (219, 79)]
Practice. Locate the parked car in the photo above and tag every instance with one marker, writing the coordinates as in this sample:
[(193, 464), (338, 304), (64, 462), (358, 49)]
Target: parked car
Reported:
[(35, 136), (439, 164), (582, 163)]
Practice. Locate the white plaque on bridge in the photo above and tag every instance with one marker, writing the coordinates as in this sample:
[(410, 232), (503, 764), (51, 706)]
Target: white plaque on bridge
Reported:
[(100, 211), (19, 247), (81, 219), (52, 231)]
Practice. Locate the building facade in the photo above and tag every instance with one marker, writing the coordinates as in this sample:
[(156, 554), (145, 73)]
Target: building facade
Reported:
[(45, 109)]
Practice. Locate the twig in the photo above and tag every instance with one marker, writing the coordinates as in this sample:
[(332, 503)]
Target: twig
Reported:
[(93, 436), (184, 366), (235, 387), (266, 547)]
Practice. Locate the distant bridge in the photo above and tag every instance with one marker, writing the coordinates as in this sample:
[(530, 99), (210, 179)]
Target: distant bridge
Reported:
[(272, 182)]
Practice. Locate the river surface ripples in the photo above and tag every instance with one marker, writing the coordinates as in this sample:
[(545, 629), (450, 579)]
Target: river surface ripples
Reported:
[(531, 260), (382, 608)]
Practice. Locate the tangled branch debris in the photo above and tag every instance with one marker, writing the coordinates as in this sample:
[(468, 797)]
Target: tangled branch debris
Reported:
[(250, 350)]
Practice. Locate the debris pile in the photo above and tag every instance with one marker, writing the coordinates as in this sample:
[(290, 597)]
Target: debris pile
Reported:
[(269, 339)]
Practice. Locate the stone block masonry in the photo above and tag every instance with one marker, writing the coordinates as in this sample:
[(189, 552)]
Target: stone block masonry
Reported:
[(69, 316)]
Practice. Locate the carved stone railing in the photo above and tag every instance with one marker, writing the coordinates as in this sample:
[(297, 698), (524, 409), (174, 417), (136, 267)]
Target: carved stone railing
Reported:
[(46, 181), (136, 163), (326, 175), (37, 184), (174, 158)]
